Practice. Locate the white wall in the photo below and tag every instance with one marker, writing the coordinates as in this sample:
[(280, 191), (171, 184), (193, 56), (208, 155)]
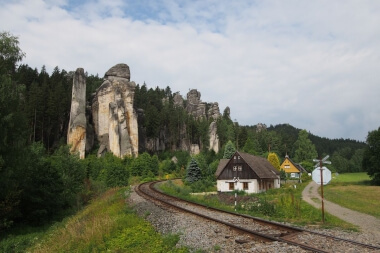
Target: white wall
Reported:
[(224, 185), (253, 186)]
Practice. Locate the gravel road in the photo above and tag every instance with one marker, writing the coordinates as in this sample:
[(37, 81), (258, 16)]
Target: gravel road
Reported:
[(366, 223)]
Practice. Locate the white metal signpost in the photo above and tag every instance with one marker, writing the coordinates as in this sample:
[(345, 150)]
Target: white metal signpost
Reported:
[(236, 179), (319, 173)]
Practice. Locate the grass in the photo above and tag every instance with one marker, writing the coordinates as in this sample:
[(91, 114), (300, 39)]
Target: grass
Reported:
[(108, 224), (284, 205), (352, 190), (360, 178)]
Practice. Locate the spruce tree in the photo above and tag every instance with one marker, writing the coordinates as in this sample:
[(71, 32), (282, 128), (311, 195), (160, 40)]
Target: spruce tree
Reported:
[(229, 150), (193, 172)]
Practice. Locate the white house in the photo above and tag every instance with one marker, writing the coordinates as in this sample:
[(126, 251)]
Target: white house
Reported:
[(250, 173)]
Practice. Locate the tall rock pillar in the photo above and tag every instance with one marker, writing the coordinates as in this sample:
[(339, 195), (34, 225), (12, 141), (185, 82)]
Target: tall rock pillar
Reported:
[(115, 120), (76, 134)]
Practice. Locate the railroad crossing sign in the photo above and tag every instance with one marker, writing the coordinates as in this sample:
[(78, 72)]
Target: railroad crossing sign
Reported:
[(316, 175), (321, 171)]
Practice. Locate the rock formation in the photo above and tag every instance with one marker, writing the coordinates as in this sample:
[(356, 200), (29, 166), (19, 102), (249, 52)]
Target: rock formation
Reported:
[(197, 108), (115, 121), (213, 111), (214, 138), (260, 127), (178, 100), (194, 104), (76, 134), (227, 112)]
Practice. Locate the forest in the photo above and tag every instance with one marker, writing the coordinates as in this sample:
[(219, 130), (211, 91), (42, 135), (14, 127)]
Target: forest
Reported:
[(41, 180)]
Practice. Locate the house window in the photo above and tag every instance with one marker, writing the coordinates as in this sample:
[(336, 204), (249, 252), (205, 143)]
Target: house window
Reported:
[(239, 168), (292, 174), (235, 157), (287, 166), (239, 157), (245, 185), (232, 186), (234, 168)]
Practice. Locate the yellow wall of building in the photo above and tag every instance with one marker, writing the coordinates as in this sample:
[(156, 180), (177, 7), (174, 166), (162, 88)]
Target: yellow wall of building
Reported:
[(288, 167)]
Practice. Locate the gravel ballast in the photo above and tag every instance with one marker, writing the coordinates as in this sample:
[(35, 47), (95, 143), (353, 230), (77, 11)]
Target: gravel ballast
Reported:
[(198, 233)]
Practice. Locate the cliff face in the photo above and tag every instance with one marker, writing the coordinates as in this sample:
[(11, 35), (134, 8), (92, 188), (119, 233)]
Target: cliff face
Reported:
[(76, 135), (114, 119), (193, 106), (114, 123), (197, 108)]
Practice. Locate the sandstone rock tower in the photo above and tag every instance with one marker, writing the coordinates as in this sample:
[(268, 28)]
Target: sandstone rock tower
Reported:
[(76, 135), (115, 120)]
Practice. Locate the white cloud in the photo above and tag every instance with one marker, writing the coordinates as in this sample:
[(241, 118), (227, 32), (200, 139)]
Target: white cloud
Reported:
[(313, 64)]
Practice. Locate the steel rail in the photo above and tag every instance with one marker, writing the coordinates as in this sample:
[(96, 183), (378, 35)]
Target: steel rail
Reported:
[(266, 222), (264, 237)]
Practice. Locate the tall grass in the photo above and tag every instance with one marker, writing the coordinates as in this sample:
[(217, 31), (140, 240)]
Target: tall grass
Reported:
[(108, 224)]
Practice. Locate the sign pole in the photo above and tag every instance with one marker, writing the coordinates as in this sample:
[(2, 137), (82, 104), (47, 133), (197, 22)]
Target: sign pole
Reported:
[(323, 206), (320, 162)]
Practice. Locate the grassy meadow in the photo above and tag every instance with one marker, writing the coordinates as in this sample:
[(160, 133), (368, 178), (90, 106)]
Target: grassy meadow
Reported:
[(283, 205), (108, 224), (353, 191)]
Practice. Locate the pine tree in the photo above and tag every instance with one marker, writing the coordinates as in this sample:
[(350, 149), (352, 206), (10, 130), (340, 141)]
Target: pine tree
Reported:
[(229, 150), (193, 172)]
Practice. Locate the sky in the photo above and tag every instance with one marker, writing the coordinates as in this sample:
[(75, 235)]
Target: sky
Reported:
[(312, 64)]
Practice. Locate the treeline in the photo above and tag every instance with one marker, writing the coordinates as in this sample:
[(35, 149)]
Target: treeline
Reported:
[(47, 101)]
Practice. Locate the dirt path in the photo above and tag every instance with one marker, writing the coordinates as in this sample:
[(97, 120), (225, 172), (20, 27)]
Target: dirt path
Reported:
[(365, 222)]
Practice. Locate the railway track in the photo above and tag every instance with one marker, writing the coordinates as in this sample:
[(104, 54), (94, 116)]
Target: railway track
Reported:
[(258, 229)]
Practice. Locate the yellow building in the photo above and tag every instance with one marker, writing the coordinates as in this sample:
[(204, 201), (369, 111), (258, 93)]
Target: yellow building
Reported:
[(292, 169)]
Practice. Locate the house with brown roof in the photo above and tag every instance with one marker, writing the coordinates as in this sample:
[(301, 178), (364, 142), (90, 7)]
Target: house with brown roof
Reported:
[(247, 172), (292, 169)]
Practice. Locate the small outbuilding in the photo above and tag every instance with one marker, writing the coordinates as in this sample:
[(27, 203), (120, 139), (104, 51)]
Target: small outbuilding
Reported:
[(247, 172), (293, 170)]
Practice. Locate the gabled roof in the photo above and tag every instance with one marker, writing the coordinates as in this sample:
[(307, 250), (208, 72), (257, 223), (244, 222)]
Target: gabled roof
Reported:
[(298, 166), (221, 166), (261, 166)]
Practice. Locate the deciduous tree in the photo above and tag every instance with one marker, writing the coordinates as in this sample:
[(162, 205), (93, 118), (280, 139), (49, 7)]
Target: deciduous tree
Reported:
[(304, 148), (371, 157), (273, 159)]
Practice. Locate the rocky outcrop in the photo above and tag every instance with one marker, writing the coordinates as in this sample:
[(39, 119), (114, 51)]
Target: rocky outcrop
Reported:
[(194, 149), (260, 127), (178, 100), (76, 134), (115, 120), (227, 112), (214, 138), (194, 104), (213, 111)]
